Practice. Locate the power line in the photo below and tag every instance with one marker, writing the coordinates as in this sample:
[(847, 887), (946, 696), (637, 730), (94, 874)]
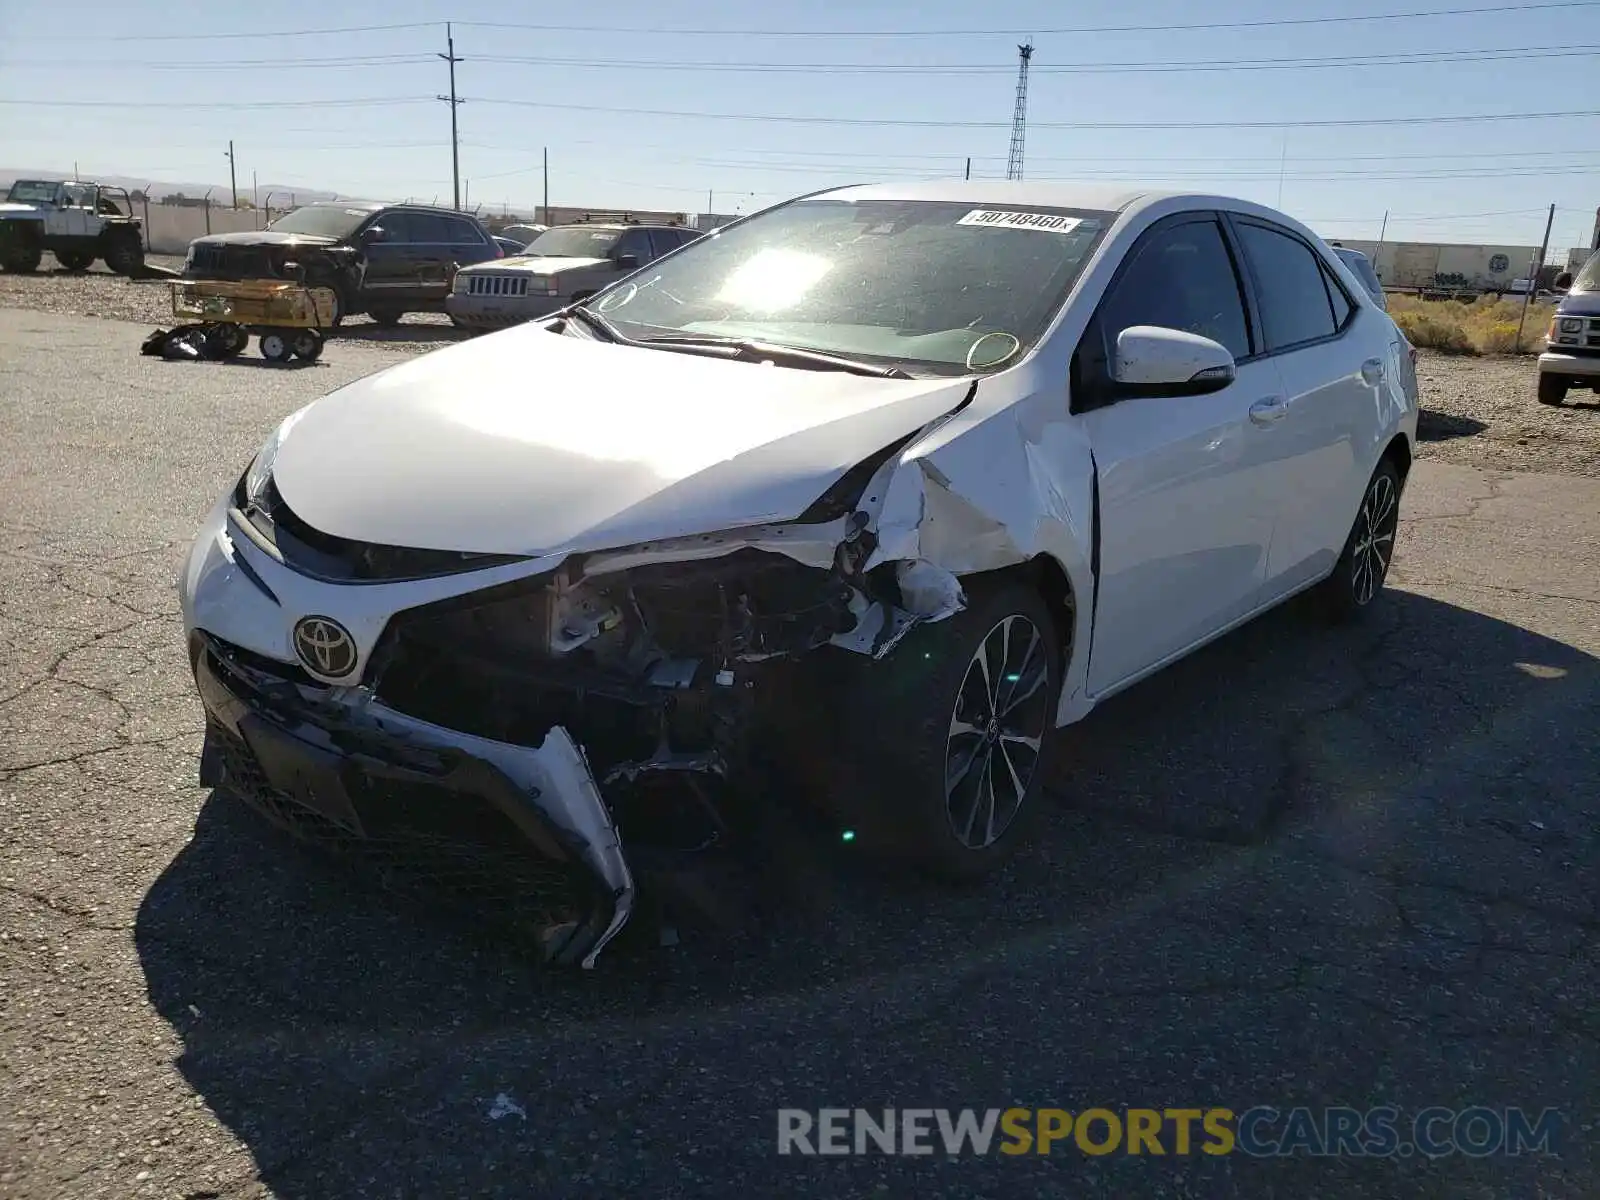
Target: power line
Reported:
[(917, 123), (1341, 19), (77, 38), (364, 102), (373, 60), (1398, 59)]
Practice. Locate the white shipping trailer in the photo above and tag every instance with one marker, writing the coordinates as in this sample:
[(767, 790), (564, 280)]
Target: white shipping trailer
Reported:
[(1447, 265)]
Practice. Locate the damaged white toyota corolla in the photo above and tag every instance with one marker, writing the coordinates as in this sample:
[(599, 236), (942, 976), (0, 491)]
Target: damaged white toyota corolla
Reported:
[(860, 496)]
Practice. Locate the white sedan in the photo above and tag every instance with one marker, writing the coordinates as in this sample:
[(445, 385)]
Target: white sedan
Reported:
[(845, 506)]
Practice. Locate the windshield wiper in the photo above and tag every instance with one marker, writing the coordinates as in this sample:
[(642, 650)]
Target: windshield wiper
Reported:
[(773, 352), (598, 324)]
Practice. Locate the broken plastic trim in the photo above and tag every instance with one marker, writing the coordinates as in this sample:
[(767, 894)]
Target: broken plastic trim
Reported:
[(554, 777)]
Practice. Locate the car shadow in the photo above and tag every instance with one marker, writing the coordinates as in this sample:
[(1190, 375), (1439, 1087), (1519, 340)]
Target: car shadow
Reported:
[(1435, 426), (301, 998)]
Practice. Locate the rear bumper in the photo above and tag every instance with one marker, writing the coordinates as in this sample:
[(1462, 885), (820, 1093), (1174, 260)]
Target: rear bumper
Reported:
[(1571, 366), (499, 312), (334, 767)]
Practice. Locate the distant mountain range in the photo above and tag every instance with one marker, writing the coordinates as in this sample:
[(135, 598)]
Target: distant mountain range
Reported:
[(156, 188)]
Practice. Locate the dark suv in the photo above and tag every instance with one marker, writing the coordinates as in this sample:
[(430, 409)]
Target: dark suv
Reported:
[(381, 259)]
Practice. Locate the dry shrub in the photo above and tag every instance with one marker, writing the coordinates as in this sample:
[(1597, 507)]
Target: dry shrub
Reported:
[(1486, 326)]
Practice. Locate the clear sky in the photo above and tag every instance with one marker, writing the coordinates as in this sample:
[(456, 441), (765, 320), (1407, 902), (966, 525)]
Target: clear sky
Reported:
[(156, 90)]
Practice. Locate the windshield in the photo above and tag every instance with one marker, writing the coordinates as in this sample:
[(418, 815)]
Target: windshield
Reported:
[(574, 241), (322, 220), (950, 287), (1588, 279), (31, 191)]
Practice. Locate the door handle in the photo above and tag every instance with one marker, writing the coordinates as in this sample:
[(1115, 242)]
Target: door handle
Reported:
[(1373, 370), (1265, 412)]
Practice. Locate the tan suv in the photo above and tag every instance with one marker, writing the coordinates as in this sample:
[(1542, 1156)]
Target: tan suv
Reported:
[(559, 266)]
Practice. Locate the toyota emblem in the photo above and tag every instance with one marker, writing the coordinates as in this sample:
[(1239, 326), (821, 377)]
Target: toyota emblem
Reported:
[(325, 646)]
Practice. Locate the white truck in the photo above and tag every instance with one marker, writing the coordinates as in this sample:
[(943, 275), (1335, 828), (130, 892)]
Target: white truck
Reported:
[(77, 222)]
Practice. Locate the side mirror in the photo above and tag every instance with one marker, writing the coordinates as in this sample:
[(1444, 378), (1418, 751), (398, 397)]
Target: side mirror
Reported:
[(1152, 361), (374, 233), (627, 262)]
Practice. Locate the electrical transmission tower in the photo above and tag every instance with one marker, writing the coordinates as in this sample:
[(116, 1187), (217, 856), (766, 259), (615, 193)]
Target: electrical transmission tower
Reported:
[(1019, 120)]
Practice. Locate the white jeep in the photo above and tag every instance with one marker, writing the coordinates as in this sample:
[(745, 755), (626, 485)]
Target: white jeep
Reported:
[(77, 222)]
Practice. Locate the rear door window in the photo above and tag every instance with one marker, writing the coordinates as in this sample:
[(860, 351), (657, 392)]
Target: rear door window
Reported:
[(1291, 286), (463, 232)]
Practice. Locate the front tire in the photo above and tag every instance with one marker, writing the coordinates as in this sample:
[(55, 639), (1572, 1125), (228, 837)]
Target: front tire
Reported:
[(276, 347), (953, 733), (20, 249), (1358, 576), (386, 316), (1552, 389), (75, 260)]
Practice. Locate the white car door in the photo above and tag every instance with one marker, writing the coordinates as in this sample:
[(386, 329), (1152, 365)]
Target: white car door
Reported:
[(1333, 359), (1185, 518)]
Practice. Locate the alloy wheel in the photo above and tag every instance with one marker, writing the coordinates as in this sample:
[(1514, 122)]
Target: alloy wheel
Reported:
[(1373, 549), (1001, 713)]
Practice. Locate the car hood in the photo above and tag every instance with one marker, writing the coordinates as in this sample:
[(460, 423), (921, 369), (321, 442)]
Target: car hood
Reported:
[(528, 442), (541, 266), (1580, 304), (11, 208), (263, 237)]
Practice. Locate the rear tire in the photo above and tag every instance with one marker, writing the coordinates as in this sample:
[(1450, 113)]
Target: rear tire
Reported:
[(307, 345), (1358, 576), (75, 260), (124, 252), (954, 756), (386, 316), (1552, 389)]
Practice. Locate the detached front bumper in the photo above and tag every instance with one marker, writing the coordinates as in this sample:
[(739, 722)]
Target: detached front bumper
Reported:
[(498, 312)]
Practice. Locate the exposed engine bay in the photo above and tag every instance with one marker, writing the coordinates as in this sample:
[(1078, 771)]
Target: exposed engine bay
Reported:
[(677, 679)]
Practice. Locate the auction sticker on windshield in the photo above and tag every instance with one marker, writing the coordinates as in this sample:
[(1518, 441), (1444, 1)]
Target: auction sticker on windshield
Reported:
[(995, 218)]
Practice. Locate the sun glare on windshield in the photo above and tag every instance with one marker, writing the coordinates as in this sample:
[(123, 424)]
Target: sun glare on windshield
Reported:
[(773, 281)]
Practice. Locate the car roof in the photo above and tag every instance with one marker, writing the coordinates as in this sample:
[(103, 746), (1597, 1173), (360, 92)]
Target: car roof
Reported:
[(617, 225), (1105, 198), (1122, 199), (381, 206)]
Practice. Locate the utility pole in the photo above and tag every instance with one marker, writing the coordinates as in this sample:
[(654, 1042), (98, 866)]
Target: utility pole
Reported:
[(255, 190), (1382, 230), (454, 102), (969, 168), (1533, 275), (233, 174), (546, 219)]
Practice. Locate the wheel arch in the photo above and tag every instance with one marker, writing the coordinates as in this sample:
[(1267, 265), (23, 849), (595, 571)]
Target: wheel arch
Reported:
[(1399, 452), (1045, 575)]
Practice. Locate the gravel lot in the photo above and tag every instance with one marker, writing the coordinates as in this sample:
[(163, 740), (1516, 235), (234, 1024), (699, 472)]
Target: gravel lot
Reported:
[(1308, 867), (1479, 411)]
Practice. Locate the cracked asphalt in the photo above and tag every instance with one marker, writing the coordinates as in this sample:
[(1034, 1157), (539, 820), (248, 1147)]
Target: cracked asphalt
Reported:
[(1305, 867)]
